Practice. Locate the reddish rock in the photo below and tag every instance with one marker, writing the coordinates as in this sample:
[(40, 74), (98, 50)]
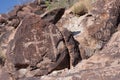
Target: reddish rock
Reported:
[(14, 22), (12, 14), (103, 65), (54, 15), (2, 20), (42, 47), (93, 30)]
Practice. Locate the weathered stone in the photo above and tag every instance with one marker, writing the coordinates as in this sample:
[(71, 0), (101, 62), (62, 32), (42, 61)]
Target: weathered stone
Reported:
[(2, 20), (4, 15), (31, 78), (5, 35), (12, 14), (93, 30), (103, 65), (39, 11), (26, 10), (71, 45), (41, 47), (54, 15), (4, 75), (111, 73), (14, 22)]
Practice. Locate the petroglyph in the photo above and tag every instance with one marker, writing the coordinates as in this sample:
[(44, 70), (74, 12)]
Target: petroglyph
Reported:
[(39, 41), (52, 41), (27, 44)]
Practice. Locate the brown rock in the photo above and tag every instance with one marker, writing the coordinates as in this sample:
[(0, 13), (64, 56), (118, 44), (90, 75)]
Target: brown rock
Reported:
[(41, 47), (94, 74), (53, 15), (103, 65), (2, 20), (12, 14), (38, 47), (39, 11), (26, 11), (22, 14), (93, 30), (31, 78), (5, 35), (14, 22)]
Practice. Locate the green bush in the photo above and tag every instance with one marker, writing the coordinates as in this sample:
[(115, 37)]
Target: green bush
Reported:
[(59, 4)]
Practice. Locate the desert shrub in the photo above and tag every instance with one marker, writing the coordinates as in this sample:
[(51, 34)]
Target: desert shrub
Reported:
[(59, 4), (2, 57), (82, 7)]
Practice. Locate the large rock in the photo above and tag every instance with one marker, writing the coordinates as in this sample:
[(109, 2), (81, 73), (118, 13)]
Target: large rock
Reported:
[(102, 65), (2, 20), (4, 40), (39, 47), (53, 15), (94, 29), (13, 13), (5, 32)]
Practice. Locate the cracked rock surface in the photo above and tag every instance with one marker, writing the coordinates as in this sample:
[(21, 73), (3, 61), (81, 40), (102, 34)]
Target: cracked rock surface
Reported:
[(36, 44)]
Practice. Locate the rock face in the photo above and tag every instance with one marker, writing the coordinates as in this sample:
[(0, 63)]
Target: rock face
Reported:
[(103, 65), (5, 32), (95, 28), (37, 46), (41, 47), (53, 15)]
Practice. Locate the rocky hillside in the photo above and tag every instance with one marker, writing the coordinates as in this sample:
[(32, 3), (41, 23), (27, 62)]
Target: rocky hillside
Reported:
[(76, 43)]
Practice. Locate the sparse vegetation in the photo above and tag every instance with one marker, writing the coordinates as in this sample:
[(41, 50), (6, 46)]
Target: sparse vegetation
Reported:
[(79, 8), (59, 4), (82, 7), (2, 57)]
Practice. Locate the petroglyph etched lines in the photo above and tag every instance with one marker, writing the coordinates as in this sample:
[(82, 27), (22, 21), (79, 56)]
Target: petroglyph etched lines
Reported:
[(52, 40), (26, 44), (54, 35), (35, 38), (46, 34), (57, 33), (35, 42)]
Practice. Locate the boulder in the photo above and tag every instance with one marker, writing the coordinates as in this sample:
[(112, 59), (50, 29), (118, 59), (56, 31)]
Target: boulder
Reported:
[(94, 29), (102, 65), (36, 46), (53, 15), (39, 47), (13, 13), (14, 22), (2, 20), (5, 35)]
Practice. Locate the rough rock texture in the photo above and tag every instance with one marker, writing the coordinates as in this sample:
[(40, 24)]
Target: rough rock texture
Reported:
[(5, 32), (9, 22), (101, 66), (40, 47), (34, 46), (94, 29), (54, 15)]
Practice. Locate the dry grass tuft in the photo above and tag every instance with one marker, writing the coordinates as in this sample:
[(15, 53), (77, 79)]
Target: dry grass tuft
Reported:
[(82, 7)]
